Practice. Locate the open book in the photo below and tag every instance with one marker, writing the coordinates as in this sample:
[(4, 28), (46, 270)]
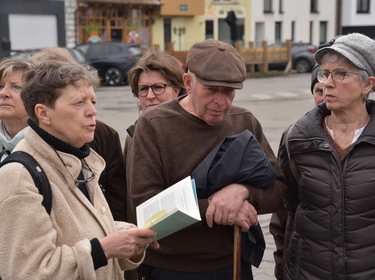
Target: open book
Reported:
[(171, 210)]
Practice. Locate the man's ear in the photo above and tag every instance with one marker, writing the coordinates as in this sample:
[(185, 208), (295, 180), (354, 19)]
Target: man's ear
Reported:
[(42, 113), (188, 82)]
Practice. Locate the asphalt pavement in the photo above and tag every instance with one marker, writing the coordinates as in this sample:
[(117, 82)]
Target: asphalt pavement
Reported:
[(276, 102)]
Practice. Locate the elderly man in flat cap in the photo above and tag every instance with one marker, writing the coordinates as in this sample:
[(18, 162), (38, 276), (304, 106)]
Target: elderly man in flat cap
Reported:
[(333, 149), (172, 139)]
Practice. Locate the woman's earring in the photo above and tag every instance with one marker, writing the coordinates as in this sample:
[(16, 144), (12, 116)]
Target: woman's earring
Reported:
[(363, 99)]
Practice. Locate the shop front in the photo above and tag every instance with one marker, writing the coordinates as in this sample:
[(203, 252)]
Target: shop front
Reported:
[(129, 21)]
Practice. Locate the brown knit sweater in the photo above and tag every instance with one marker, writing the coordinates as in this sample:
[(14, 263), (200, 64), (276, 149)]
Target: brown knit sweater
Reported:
[(341, 153), (168, 144)]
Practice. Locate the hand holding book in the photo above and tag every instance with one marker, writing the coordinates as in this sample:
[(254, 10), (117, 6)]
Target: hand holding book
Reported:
[(171, 210)]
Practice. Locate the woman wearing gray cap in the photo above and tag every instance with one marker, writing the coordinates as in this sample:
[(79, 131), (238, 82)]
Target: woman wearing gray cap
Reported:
[(333, 147), (281, 226)]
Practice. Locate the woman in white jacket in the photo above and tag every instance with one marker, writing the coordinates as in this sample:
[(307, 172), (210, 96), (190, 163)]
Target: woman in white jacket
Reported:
[(79, 239)]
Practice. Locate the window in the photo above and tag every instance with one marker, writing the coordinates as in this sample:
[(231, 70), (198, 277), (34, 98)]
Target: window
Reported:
[(225, 32), (363, 6), (114, 50), (96, 50), (323, 32), (311, 32), (278, 32), (281, 7), (107, 23), (267, 6), (167, 32), (314, 6), (209, 29), (293, 30)]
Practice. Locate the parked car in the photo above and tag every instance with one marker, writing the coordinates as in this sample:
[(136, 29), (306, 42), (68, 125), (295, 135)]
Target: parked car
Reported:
[(77, 54), (303, 59), (113, 60)]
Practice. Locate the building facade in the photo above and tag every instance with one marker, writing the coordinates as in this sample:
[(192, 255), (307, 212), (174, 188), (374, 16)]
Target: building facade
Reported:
[(27, 24), (180, 23), (358, 16), (116, 20), (30, 24), (228, 20), (311, 21)]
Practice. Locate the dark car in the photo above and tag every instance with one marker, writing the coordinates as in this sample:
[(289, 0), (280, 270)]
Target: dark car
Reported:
[(77, 54), (303, 59), (113, 60)]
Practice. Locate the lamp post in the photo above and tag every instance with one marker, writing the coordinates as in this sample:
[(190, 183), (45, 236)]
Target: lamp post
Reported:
[(179, 31)]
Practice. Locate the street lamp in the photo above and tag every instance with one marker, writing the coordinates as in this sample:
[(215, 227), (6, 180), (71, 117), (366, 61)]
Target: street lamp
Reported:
[(179, 31)]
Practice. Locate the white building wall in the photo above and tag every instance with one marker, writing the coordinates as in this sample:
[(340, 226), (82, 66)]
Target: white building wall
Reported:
[(70, 22), (351, 18), (293, 10)]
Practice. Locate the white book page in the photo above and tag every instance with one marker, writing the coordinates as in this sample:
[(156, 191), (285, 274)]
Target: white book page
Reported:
[(180, 196)]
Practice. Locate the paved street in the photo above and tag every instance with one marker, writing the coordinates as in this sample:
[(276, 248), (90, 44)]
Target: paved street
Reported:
[(276, 101)]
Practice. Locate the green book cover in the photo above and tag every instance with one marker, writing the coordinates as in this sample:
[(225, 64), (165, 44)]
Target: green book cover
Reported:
[(171, 210)]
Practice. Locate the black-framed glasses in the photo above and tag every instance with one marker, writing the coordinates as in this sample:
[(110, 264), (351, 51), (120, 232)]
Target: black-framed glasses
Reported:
[(77, 181), (157, 89), (338, 75)]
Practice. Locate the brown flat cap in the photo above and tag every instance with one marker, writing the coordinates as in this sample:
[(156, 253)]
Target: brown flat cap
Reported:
[(216, 63)]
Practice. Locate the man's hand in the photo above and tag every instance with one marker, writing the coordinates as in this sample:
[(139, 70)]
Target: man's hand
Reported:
[(247, 216), (225, 206)]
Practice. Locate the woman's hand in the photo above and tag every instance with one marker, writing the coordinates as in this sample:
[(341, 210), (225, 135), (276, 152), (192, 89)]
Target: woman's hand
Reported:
[(128, 242)]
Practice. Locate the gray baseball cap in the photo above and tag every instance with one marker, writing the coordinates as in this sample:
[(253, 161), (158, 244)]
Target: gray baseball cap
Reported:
[(356, 47)]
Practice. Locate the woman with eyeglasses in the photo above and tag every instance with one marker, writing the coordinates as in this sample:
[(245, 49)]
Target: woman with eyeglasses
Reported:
[(332, 199), (79, 238), (155, 79)]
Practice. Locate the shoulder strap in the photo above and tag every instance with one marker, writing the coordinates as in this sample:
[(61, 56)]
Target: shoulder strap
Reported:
[(292, 164), (40, 179), (3, 152)]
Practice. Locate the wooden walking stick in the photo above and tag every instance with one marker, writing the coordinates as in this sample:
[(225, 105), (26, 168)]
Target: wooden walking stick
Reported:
[(237, 253)]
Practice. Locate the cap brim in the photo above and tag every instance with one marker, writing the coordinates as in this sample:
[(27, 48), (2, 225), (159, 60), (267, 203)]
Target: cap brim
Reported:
[(342, 51), (237, 85)]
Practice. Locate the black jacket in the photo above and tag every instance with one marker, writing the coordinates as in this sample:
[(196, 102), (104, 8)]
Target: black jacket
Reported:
[(333, 203), (237, 159), (113, 179)]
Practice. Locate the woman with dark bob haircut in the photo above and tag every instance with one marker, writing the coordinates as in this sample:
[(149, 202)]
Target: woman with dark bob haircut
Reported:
[(155, 79), (79, 238)]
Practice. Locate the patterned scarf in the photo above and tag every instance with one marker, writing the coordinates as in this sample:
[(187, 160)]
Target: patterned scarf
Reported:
[(6, 142)]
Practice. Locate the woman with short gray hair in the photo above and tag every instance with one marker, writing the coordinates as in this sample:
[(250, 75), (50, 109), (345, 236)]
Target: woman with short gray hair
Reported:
[(333, 148), (78, 239)]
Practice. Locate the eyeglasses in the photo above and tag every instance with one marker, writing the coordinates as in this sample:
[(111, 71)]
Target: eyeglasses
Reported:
[(76, 181), (157, 89), (337, 75)]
